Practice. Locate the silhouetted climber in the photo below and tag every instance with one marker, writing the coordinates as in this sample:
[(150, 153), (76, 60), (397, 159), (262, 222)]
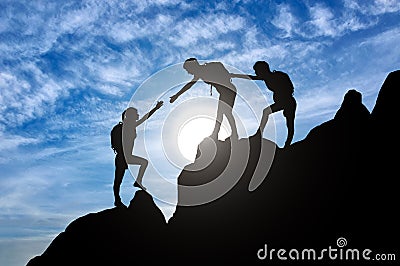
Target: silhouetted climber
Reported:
[(282, 87), (120, 163), (215, 74), (130, 122)]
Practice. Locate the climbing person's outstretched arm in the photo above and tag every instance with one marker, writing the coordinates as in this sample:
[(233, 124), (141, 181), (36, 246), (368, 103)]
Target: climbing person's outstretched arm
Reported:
[(184, 88), (244, 76), (146, 116)]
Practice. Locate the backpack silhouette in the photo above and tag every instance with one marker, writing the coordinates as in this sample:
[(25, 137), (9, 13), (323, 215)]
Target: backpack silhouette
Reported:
[(283, 82), (216, 74), (116, 138)]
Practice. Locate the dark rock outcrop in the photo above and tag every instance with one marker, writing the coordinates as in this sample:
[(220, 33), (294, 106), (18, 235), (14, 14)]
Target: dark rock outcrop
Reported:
[(339, 181), (110, 237)]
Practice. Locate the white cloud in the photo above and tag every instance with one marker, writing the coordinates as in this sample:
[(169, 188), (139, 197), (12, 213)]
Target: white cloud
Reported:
[(375, 7), (11, 86), (28, 98), (109, 89), (81, 17), (387, 38), (123, 74), (283, 53), (141, 27), (385, 56), (55, 178), (142, 5), (318, 101), (255, 46), (350, 22), (111, 47), (14, 141), (386, 6), (285, 20), (323, 20), (20, 251), (15, 198), (327, 22), (190, 31)]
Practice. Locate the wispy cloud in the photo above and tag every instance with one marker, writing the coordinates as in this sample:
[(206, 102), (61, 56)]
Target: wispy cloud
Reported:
[(322, 19), (375, 7), (11, 142), (18, 251), (68, 69), (28, 96), (325, 22), (142, 5), (285, 20), (141, 27), (190, 31)]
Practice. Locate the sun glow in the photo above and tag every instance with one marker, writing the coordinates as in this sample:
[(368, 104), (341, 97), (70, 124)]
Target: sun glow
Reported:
[(193, 132)]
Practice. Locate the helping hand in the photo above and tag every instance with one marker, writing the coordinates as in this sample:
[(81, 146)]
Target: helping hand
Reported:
[(159, 104), (173, 98)]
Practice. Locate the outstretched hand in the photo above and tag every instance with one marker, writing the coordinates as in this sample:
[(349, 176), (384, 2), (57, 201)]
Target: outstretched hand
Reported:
[(173, 98), (159, 104)]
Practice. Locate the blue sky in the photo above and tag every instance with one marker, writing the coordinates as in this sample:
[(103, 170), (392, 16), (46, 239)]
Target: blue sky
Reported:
[(68, 69)]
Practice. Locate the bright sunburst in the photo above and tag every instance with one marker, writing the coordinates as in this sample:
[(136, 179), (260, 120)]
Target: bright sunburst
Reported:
[(193, 132)]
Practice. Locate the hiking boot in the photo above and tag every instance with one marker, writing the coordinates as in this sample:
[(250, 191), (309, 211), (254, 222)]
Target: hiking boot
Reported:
[(118, 203)]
